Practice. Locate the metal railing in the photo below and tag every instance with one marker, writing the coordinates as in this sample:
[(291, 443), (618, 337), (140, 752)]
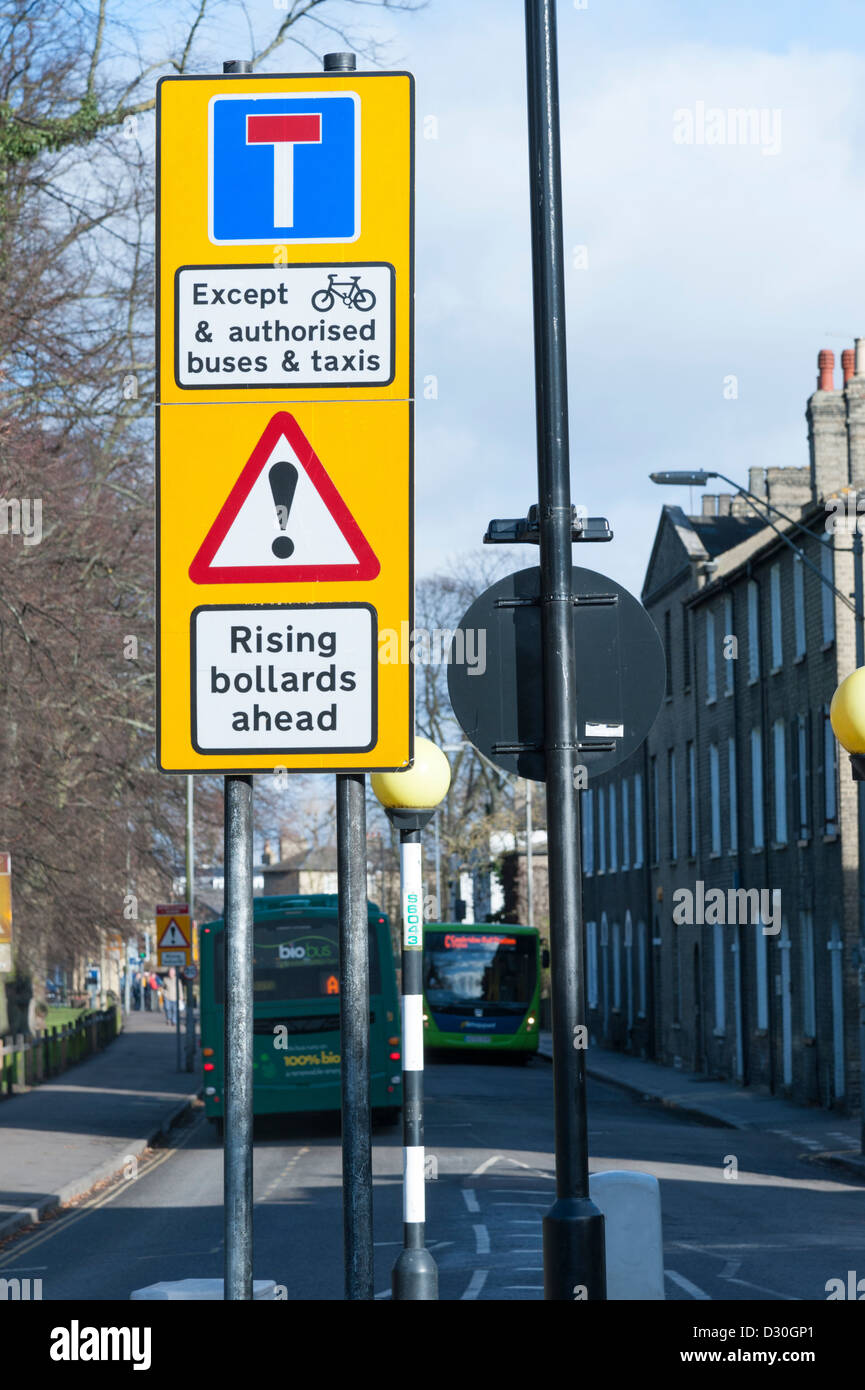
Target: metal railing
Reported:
[(28, 1058)]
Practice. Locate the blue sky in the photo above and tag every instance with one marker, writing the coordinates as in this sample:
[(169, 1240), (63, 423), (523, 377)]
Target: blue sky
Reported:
[(704, 261)]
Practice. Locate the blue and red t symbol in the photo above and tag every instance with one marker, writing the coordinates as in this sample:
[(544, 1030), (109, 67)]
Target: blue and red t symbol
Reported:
[(284, 168)]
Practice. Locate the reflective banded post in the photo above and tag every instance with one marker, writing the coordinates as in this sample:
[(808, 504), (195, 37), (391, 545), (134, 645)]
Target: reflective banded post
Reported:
[(415, 1275)]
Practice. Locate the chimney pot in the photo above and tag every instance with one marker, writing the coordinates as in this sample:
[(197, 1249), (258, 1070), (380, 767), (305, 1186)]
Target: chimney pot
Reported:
[(826, 369), (848, 362)]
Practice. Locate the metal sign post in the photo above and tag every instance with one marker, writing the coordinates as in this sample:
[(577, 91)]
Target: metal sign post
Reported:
[(238, 1038), (354, 1036), (574, 1265)]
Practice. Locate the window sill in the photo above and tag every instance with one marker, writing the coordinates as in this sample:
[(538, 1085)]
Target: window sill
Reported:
[(804, 842), (711, 700), (676, 1026), (719, 1032), (761, 1032), (753, 680), (830, 837), (779, 844), (827, 646), (758, 849), (728, 694), (776, 670), (797, 660), (733, 853), (715, 854)]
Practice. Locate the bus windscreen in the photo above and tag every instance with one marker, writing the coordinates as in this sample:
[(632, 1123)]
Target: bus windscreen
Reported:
[(295, 959), (464, 968)]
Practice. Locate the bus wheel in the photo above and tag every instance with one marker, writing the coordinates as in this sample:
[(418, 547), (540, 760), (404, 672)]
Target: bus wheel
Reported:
[(218, 1124), (387, 1115)]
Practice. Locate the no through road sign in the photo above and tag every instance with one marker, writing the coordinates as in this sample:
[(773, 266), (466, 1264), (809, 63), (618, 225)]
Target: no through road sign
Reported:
[(284, 421)]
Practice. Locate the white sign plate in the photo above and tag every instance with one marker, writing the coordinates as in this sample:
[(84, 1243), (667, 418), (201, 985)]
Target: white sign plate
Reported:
[(172, 958), (284, 678), (284, 325)]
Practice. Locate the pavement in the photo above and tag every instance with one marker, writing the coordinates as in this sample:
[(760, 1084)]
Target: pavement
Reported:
[(835, 1137), (61, 1138)]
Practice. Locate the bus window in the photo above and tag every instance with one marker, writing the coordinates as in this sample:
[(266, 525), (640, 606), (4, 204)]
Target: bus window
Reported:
[(465, 968), (295, 959)]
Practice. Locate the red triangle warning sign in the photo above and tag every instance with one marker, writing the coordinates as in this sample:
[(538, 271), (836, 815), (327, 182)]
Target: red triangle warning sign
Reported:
[(283, 520)]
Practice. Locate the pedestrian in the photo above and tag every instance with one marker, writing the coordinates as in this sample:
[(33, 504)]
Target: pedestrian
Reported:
[(171, 996), (136, 990), (154, 986), (147, 992)]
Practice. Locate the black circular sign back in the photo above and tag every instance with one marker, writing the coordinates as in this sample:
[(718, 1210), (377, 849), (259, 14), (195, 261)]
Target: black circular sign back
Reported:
[(495, 676)]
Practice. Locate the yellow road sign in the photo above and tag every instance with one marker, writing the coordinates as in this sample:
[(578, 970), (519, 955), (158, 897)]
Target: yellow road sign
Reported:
[(5, 913), (173, 934), (285, 422)]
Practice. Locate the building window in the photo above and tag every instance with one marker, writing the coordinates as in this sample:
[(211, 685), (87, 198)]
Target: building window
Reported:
[(638, 820), (643, 966), (715, 796), (757, 788), (729, 647), (801, 787), (692, 802), (655, 827), (686, 648), (711, 679), (614, 843), (602, 833), (671, 775), (799, 607), (626, 825), (592, 963), (753, 630), (809, 991), (780, 756), (617, 966), (827, 569), (762, 981), (830, 776), (718, 955), (733, 798), (668, 652), (677, 977), (588, 831), (775, 613)]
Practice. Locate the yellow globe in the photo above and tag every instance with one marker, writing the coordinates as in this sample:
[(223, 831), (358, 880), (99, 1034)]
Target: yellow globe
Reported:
[(847, 712), (421, 786)]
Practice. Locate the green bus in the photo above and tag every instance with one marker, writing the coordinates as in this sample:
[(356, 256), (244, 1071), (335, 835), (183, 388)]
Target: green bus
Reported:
[(296, 1061), (482, 987)]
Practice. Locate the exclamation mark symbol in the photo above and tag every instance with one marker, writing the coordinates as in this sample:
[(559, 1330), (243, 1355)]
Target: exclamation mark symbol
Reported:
[(283, 481)]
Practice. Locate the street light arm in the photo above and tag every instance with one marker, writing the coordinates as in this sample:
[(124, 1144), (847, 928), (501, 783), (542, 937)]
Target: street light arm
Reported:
[(770, 507)]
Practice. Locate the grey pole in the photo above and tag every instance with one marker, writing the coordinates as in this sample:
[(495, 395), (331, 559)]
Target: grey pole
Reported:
[(574, 1266), (238, 1037), (177, 1033), (438, 854), (190, 894), (354, 998), (354, 1036), (859, 602)]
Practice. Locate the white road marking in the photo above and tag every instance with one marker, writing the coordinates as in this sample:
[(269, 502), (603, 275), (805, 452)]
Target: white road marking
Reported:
[(470, 1199), (730, 1269), (476, 1283), (541, 1205), (487, 1163), (482, 1240), (385, 1293), (686, 1285)]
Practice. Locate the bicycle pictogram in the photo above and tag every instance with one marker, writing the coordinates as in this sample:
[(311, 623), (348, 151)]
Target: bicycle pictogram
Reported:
[(348, 291)]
